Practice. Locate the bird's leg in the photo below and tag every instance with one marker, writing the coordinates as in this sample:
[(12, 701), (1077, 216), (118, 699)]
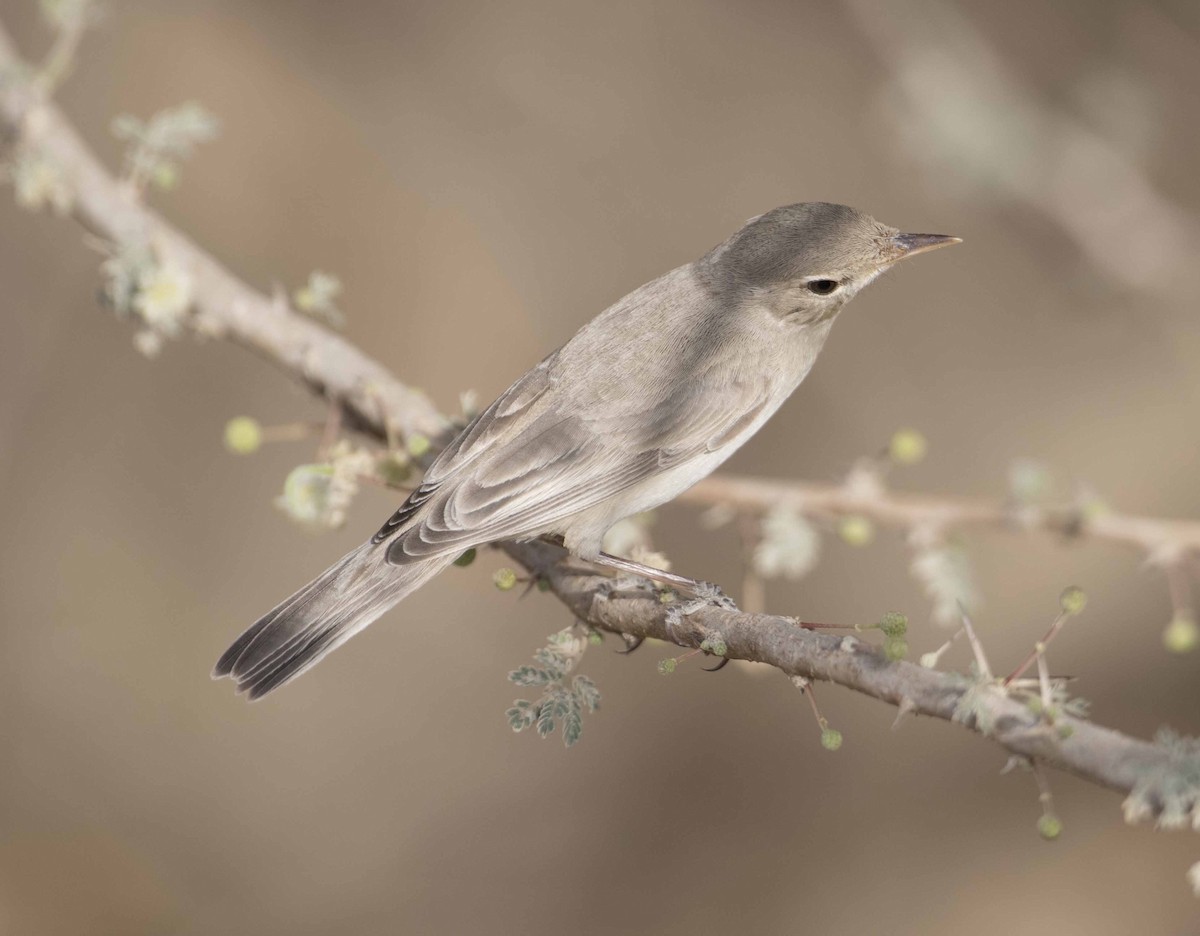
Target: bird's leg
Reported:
[(703, 593), (641, 570)]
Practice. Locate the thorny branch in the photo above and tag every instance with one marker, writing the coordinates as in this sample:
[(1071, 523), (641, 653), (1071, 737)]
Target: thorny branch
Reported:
[(378, 404)]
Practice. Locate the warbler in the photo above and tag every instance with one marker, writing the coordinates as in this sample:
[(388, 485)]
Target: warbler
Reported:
[(647, 398)]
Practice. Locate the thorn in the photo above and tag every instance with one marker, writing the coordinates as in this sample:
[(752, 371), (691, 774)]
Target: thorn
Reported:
[(981, 662), (907, 707)]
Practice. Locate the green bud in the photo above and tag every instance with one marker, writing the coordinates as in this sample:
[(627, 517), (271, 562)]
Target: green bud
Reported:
[(894, 624), (831, 739), (667, 667), (418, 445), (543, 585), (1072, 600), (1065, 731), (595, 638), (243, 435), (895, 648), (907, 447), (929, 660), (394, 468), (1049, 827), (1093, 509), (504, 579), (856, 530), (715, 646), (1182, 634), (166, 175), (466, 559)]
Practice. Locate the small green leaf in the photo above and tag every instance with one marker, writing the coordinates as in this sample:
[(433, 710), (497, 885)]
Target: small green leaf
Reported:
[(530, 676), (587, 693), (572, 725), (521, 715)]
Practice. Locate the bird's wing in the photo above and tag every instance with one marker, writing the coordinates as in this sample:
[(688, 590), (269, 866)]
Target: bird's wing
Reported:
[(522, 466)]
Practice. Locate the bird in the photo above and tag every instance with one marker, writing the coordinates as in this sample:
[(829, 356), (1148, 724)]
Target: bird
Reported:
[(645, 400)]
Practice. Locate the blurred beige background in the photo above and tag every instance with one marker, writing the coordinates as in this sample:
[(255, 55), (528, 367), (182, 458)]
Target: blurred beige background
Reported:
[(484, 178)]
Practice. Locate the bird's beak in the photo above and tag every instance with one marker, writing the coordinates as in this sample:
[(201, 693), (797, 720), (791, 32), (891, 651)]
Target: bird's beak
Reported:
[(902, 246)]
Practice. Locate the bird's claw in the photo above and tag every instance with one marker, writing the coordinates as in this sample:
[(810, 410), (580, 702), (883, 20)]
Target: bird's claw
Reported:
[(720, 665), (710, 593), (632, 642)]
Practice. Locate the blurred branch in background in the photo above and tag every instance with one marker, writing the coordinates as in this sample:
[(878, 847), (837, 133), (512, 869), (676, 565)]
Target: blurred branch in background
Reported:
[(168, 286), (963, 113)]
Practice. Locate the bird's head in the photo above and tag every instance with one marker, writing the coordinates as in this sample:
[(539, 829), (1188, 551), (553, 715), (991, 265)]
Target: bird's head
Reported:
[(804, 262)]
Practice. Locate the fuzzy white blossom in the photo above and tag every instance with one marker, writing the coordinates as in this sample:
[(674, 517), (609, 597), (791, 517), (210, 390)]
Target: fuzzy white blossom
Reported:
[(317, 298), (318, 496), (350, 466), (1193, 877), (164, 294), (944, 571), (1029, 480), (39, 183), (305, 497), (790, 545), (158, 145), (627, 536), (148, 343)]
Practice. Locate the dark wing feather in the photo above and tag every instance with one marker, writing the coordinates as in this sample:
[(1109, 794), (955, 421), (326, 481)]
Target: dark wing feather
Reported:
[(513, 407), (522, 466)]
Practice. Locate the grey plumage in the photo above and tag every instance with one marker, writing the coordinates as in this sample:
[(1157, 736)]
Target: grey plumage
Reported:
[(645, 400)]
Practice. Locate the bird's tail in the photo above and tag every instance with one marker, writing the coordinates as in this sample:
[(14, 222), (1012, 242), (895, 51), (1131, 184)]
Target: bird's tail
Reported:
[(322, 615)]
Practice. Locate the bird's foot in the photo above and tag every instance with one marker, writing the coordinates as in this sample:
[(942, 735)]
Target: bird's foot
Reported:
[(707, 595)]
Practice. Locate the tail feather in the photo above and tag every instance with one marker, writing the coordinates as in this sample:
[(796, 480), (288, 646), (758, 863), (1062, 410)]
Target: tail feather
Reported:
[(321, 616)]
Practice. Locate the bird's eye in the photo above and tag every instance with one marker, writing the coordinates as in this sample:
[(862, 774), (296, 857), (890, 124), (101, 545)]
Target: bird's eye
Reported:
[(823, 287)]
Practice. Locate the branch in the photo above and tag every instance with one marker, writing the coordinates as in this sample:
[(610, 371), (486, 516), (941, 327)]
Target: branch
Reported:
[(1158, 537), (1101, 755), (225, 307), (379, 404)]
